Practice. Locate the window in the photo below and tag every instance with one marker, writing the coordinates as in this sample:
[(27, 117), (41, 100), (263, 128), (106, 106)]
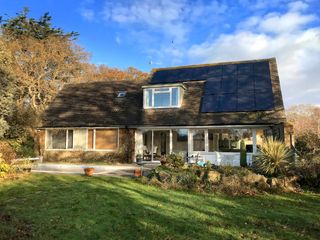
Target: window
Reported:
[(103, 139), (198, 140), (162, 97), (59, 139), (180, 141), (121, 94)]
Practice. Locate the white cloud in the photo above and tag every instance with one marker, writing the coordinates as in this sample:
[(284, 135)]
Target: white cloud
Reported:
[(284, 36), (173, 19), (87, 14)]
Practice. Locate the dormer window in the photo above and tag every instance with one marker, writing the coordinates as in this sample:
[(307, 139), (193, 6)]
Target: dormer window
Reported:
[(162, 97), (121, 94)]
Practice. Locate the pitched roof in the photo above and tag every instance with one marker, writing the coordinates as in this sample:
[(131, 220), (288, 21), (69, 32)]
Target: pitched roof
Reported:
[(96, 104), (230, 87)]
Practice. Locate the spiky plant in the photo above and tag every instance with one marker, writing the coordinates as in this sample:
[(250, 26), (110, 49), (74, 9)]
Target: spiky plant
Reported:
[(273, 158)]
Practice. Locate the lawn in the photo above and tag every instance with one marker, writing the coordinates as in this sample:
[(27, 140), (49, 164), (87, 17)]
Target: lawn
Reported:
[(44, 206)]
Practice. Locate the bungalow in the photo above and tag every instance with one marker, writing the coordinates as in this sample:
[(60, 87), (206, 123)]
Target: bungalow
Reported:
[(199, 111)]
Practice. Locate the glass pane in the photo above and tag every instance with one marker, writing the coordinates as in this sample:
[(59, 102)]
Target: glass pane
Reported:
[(58, 139), (161, 143), (70, 138), (230, 139), (147, 145), (180, 141), (175, 97), (90, 138), (161, 99), (148, 97), (106, 139), (161, 90), (198, 140), (79, 138), (213, 140)]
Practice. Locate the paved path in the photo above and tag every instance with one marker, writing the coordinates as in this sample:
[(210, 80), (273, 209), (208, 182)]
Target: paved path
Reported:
[(109, 170)]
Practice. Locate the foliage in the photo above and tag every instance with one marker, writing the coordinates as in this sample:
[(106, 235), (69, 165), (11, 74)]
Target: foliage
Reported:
[(8, 153), (274, 157), (4, 126), (24, 146), (243, 154), (4, 166), (308, 145), (7, 88), (175, 161), (103, 73), (22, 25), (308, 172), (305, 118), (75, 207)]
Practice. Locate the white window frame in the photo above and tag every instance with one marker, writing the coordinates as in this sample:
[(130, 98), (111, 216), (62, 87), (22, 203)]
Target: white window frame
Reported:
[(94, 140), (66, 143), (158, 91)]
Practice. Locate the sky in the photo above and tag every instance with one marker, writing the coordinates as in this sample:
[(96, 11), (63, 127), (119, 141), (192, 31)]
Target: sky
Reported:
[(148, 34)]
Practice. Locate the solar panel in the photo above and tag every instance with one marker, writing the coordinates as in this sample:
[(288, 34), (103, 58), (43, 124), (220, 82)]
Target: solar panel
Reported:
[(246, 101), (229, 84), (214, 71), (264, 100), (213, 85), (228, 88), (209, 103), (245, 68), (229, 69), (245, 83), (227, 102)]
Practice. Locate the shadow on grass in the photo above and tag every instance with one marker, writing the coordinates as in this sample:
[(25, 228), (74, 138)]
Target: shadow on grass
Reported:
[(77, 207)]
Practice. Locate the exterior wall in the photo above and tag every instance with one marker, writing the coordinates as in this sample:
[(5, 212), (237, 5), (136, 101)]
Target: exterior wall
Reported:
[(284, 132), (123, 154)]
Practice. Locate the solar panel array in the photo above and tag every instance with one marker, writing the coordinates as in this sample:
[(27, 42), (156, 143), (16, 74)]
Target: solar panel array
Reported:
[(228, 88)]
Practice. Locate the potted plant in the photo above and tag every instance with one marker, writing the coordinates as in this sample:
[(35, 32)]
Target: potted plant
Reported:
[(139, 157), (88, 171)]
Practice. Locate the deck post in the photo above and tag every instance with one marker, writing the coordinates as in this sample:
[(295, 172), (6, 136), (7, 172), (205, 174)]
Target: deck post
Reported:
[(152, 135), (170, 141), (254, 141)]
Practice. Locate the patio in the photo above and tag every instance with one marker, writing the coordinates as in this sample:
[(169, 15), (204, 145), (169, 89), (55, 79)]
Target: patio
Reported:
[(105, 170), (218, 145)]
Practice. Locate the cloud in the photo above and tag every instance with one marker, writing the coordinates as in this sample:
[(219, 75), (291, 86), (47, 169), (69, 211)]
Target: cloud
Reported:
[(173, 19), (287, 36), (87, 14)]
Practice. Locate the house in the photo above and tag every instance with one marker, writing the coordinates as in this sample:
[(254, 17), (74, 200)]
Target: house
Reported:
[(198, 111)]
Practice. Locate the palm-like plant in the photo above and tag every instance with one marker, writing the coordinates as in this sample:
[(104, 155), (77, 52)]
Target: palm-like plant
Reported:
[(273, 158)]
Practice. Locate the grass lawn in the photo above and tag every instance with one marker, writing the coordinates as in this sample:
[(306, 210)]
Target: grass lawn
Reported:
[(43, 206)]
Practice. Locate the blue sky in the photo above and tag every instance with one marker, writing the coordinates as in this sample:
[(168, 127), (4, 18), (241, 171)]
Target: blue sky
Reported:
[(158, 33)]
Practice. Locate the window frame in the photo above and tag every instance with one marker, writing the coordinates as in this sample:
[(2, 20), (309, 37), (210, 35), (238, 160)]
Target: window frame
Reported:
[(160, 90), (94, 140), (67, 130)]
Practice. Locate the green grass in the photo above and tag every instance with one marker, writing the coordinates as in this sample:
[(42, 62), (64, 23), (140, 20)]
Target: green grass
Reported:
[(76, 207)]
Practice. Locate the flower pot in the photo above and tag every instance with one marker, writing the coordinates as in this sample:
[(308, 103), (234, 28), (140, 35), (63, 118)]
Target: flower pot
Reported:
[(26, 169), (89, 171), (137, 172)]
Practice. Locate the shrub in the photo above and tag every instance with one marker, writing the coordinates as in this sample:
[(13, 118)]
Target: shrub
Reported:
[(243, 154), (308, 145), (4, 167), (23, 146), (175, 161), (273, 159), (8, 154), (308, 172), (187, 179)]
